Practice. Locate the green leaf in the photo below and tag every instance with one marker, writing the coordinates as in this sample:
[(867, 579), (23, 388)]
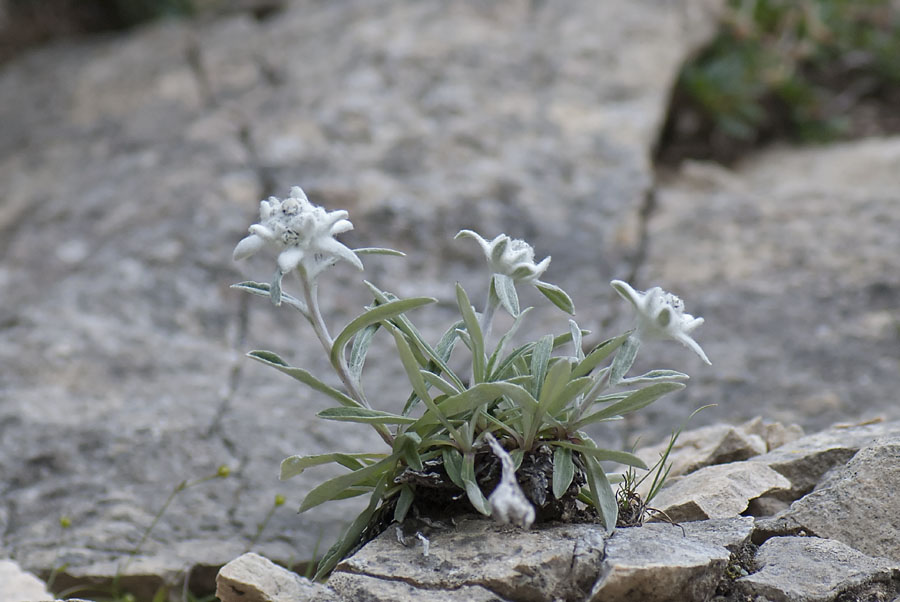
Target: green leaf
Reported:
[(263, 289), (378, 251), (473, 492), (333, 487), (436, 381), (294, 465), (453, 462), (624, 359), (360, 348), (363, 415), (270, 359), (374, 315), (557, 296), (474, 398), (600, 454), (597, 355), (476, 337), (404, 501), (654, 376), (563, 471), (540, 357), (504, 340), (576, 340), (504, 288), (602, 495), (406, 446), (351, 536), (635, 401)]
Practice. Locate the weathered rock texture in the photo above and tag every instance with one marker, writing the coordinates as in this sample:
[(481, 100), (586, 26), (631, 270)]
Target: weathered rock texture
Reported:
[(16, 585), (721, 560), (132, 164)]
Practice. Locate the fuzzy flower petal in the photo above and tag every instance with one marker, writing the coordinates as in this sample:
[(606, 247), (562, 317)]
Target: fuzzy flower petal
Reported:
[(509, 257), (661, 316), (303, 234)]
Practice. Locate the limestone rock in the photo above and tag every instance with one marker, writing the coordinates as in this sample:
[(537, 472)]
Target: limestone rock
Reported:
[(131, 165), (806, 460), (656, 563), (363, 588), (252, 578), (800, 301), (809, 569), (18, 585), (721, 491), (857, 504), (540, 564)]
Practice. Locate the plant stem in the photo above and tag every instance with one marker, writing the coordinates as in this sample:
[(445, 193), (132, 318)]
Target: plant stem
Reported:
[(311, 293)]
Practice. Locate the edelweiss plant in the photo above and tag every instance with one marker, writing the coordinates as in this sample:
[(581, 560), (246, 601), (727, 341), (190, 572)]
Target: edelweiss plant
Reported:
[(505, 439)]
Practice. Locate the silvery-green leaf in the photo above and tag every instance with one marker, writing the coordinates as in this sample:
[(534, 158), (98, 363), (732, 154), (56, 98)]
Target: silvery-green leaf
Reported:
[(333, 487), (359, 349), (261, 289), (476, 337), (294, 465), (540, 358), (602, 455), (563, 471), (624, 359), (505, 289), (654, 376), (275, 288), (270, 359), (557, 296), (363, 415), (635, 401), (473, 492), (576, 340), (602, 495), (374, 315), (378, 251), (404, 501), (436, 381), (406, 446), (453, 461), (598, 354)]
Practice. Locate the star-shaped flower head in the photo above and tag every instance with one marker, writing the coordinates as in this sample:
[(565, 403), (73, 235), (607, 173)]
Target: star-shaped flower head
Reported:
[(510, 257), (302, 232), (661, 316)]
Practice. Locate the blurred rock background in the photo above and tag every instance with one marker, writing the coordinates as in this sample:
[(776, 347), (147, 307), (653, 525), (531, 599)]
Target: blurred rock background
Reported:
[(131, 162)]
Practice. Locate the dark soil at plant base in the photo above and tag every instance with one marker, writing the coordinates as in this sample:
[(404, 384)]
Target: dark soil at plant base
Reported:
[(439, 502)]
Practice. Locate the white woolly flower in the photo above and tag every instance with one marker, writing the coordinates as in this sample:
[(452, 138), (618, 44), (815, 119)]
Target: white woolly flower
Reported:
[(508, 503), (302, 232), (661, 315), (510, 257)]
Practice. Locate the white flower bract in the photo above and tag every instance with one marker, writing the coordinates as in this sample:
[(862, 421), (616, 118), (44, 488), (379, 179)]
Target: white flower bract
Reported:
[(302, 232), (509, 256), (508, 503), (661, 316)]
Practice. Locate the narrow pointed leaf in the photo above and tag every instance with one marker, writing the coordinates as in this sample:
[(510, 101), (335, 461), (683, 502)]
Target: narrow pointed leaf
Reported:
[(453, 462), (378, 251), (576, 340), (473, 492), (263, 289), (270, 359), (404, 501), (363, 415), (474, 398), (333, 487), (602, 495), (598, 354), (436, 381), (654, 376), (377, 314), (504, 341), (563, 471), (635, 401), (294, 465), (557, 296), (360, 348), (505, 288), (540, 357), (624, 359), (476, 337), (603, 455)]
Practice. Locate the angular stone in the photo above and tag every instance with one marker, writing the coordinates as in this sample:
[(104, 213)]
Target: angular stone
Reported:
[(541, 564), (857, 504), (657, 563), (805, 460), (252, 578), (729, 533), (18, 585), (721, 491), (362, 588), (809, 569)]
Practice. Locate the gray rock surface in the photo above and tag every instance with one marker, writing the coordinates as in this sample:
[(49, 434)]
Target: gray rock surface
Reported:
[(541, 564), (720, 491), (657, 563), (829, 571), (857, 504), (18, 585), (252, 578), (791, 257), (132, 164)]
